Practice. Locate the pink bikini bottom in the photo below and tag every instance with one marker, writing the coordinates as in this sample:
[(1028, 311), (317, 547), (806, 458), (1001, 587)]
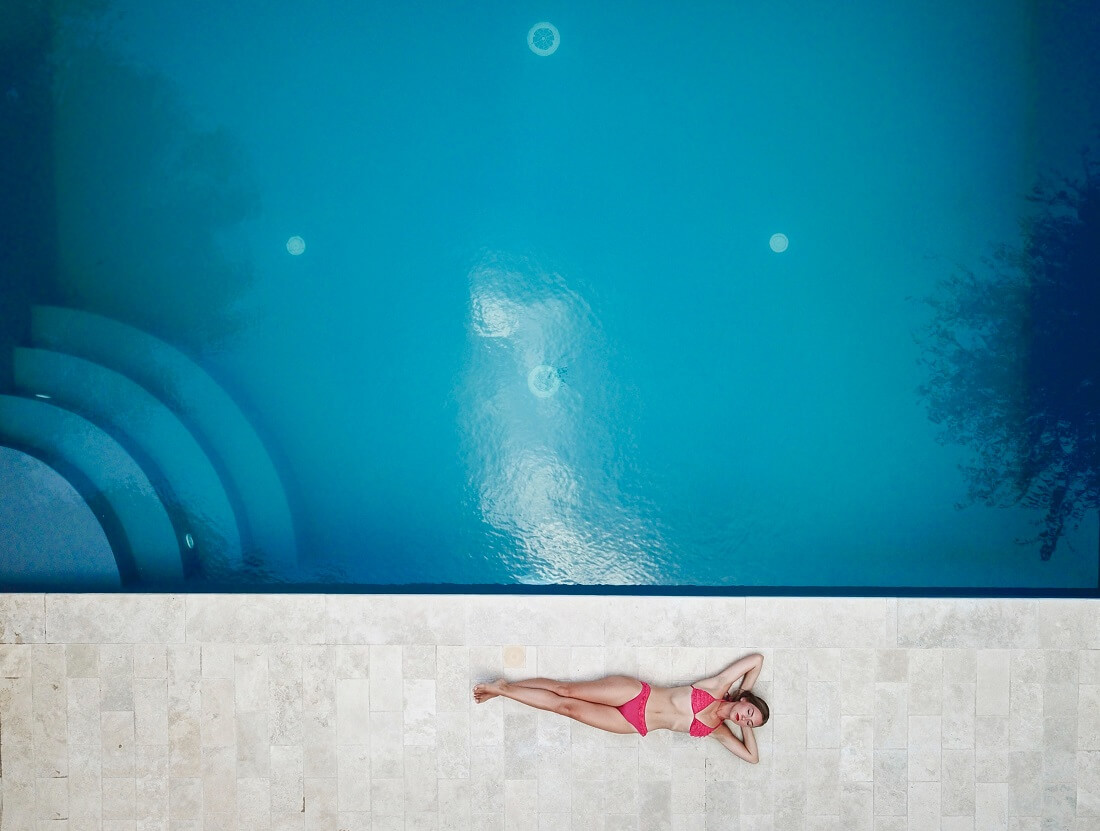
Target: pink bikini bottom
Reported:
[(634, 710)]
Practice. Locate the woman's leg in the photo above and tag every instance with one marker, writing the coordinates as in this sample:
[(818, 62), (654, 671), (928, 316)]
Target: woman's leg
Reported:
[(603, 716), (483, 694), (615, 690)]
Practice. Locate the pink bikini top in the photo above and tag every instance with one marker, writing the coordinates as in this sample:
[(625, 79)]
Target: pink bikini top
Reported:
[(700, 700)]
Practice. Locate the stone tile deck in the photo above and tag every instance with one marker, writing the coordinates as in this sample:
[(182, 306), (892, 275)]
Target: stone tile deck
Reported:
[(184, 712)]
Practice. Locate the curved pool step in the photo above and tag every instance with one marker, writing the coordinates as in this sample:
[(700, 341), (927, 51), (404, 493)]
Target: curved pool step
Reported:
[(149, 552), (263, 513), (193, 494), (50, 539)]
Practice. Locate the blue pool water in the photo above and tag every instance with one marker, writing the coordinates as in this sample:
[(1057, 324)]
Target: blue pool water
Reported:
[(376, 294)]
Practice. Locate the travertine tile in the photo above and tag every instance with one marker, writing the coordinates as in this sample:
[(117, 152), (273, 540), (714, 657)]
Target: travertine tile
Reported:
[(891, 782), (418, 662), (253, 746), (396, 619), (925, 747), (151, 661), (150, 697), (218, 724), (1088, 666), (253, 804), (1069, 624), (823, 719), (353, 711), (353, 772), (823, 781), (452, 681), (386, 679), (250, 679), (1088, 717), (957, 783), (352, 661), (925, 682), (1025, 713), (959, 702), (81, 660), (116, 663), (796, 622), (49, 728), (421, 788), (1025, 792), (419, 710), (992, 742), (287, 780), (787, 691), (218, 660), (250, 618), (285, 702), (185, 798), (119, 798), (991, 806), (857, 806), (923, 806), (52, 798), (320, 801), (84, 723), (960, 666), (983, 624), (22, 618), (15, 661), (219, 781), (19, 804), (118, 745), (1088, 783), (114, 618), (891, 715), (857, 682), (993, 683), (892, 665), (151, 782), (1059, 805), (856, 748)]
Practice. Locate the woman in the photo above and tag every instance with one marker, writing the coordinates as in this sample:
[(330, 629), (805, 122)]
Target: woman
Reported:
[(620, 704)]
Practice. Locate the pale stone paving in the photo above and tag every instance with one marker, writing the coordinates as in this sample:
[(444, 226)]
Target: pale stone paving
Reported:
[(304, 712)]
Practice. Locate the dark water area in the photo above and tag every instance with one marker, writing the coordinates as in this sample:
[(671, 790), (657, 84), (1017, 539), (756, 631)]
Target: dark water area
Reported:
[(27, 229)]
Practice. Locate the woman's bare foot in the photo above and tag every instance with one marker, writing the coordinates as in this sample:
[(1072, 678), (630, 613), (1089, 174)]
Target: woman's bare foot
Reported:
[(483, 692)]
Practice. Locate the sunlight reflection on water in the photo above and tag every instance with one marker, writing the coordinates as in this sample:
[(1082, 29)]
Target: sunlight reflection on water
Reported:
[(547, 469)]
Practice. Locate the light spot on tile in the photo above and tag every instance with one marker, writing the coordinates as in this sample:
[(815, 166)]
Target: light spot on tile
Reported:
[(514, 657)]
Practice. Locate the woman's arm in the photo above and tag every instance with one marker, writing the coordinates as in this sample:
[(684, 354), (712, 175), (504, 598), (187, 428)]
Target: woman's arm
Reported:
[(753, 672), (749, 666), (742, 749)]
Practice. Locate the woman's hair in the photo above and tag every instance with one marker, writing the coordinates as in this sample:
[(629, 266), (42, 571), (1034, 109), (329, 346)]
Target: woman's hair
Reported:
[(756, 701)]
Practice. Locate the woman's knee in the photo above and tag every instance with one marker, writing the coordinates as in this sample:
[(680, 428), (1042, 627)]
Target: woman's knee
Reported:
[(570, 707)]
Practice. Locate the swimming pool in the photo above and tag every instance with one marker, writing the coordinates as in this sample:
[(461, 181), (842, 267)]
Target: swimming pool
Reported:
[(646, 298)]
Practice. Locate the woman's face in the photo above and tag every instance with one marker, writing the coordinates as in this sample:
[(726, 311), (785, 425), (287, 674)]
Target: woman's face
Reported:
[(743, 712)]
